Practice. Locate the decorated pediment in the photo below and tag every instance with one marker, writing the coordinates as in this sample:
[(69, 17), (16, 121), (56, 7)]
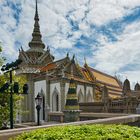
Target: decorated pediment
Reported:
[(72, 69), (35, 58), (26, 70)]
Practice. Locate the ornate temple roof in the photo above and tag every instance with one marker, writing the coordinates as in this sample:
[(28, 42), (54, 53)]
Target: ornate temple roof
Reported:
[(55, 64), (50, 66), (36, 56), (85, 74)]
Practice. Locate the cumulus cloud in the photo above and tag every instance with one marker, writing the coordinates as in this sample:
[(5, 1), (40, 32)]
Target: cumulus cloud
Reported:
[(123, 54), (77, 26)]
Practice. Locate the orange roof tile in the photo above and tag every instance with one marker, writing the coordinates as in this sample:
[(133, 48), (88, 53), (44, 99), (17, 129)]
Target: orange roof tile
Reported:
[(48, 67)]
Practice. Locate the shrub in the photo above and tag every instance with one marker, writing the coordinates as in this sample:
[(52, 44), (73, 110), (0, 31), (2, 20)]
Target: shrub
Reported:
[(84, 132)]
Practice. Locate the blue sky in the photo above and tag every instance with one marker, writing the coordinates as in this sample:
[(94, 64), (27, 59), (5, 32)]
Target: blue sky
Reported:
[(106, 32)]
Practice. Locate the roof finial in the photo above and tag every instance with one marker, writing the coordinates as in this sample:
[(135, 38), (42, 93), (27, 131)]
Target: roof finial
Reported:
[(76, 60), (72, 65), (73, 59), (48, 48), (85, 60), (21, 48), (67, 54)]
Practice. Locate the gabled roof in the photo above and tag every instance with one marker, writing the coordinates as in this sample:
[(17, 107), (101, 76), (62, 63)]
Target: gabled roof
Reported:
[(54, 65), (104, 78), (114, 88)]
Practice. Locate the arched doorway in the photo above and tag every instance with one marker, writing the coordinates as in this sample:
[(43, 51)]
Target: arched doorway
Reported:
[(80, 96), (89, 97), (55, 101), (42, 111)]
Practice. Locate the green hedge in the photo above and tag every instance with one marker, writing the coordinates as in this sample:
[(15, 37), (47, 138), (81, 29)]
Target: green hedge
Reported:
[(84, 132)]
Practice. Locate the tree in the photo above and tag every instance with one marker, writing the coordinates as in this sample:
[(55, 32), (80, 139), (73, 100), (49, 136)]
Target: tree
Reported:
[(1, 57), (5, 97)]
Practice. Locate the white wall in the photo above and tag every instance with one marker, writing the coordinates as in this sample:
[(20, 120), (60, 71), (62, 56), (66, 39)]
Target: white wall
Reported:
[(37, 88)]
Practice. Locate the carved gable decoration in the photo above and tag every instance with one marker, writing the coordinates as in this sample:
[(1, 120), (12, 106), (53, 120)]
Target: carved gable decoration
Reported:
[(36, 58), (72, 69)]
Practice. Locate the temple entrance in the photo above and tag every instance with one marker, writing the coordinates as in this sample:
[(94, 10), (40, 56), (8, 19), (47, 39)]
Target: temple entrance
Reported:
[(55, 102), (89, 97), (80, 96), (42, 111)]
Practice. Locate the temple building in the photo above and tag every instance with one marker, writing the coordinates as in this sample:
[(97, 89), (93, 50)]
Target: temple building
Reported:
[(50, 78)]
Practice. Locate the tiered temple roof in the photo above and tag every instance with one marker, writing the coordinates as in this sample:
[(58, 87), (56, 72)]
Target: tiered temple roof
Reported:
[(36, 55), (36, 58)]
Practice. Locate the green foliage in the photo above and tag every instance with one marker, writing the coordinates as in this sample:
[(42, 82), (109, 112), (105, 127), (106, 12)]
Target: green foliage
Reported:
[(5, 98), (1, 57), (83, 132)]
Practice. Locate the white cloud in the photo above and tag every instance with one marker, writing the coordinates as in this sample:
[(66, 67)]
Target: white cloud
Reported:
[(55, 28), (115, 56)]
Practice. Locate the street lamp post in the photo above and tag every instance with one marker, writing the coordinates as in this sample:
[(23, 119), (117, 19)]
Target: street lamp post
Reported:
[(38, 101), (9, 68)]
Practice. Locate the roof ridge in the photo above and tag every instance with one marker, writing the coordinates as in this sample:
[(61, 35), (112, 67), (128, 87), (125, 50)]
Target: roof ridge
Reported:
[(60, 59)]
